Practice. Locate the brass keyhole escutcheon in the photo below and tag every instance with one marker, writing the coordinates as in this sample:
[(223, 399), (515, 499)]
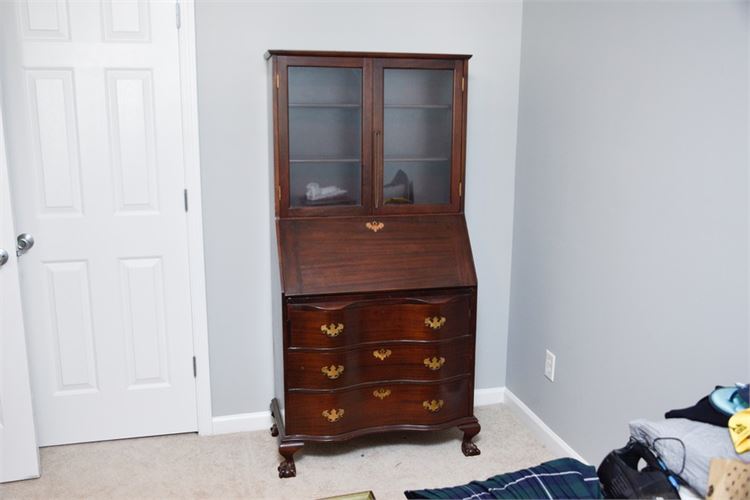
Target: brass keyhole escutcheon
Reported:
[(333, 371), (434, 363), (333, 329), (434, 322), (374, 226), (333, 415), (433, 406), (381, 393), (381, 354)]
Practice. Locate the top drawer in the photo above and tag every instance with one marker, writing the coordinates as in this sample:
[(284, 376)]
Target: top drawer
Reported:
[(346, 323)]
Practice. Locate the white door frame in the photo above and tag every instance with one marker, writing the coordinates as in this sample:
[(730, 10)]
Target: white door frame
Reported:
[(191, 149)]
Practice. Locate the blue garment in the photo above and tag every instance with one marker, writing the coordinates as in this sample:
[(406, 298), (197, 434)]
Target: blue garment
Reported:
[(561, 478)]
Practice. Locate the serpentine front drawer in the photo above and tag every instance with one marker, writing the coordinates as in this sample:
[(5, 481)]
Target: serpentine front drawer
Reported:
[(386, 404), (415, 361), (333, 324)]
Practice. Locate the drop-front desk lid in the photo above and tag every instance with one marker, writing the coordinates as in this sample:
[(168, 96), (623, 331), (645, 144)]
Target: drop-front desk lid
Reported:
[(371, 254)]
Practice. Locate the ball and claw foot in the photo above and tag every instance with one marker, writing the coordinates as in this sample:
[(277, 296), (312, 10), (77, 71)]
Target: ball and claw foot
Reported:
[(469, 449), (274, 430), (287, 469)]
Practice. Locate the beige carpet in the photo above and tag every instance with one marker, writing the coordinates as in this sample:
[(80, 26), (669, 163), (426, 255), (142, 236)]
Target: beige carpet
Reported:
[(244, 464)]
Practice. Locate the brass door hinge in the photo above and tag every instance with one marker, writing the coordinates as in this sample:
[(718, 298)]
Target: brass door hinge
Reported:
[(463, 84), (460, 189), (277, 80), (278, 190)]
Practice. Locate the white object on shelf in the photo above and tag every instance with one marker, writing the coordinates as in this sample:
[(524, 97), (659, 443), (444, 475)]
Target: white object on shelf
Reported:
[(315, 192)]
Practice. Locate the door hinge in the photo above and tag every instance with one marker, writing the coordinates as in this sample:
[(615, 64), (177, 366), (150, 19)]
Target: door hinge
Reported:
[(278, 80), (195, 368), (185, 199), (178, 15), (278, 191), (460, 189), (463, 84)]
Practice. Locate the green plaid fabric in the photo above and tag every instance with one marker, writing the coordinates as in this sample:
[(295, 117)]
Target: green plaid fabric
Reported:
[(561, 478)]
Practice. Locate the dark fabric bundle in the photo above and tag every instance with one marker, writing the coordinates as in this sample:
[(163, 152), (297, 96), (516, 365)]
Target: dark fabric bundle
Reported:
[(561, 478)]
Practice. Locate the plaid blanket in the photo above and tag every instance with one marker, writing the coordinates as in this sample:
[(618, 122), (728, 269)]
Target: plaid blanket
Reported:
[(561, 478)]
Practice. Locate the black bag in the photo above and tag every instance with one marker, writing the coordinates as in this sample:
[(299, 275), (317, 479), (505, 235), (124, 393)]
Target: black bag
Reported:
[(621, 478)]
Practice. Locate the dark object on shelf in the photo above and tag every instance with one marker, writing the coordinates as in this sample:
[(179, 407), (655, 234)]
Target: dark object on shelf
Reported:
[(561, 478), (621, 478), (377, 302), (399, 191)]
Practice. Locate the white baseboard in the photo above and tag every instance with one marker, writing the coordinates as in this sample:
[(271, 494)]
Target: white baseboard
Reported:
[(261, 420), (242, 422), (541, 430), (490, 396)]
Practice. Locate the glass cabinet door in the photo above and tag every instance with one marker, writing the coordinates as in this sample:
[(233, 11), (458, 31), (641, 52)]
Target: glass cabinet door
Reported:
[(324, 132), (420, 153)]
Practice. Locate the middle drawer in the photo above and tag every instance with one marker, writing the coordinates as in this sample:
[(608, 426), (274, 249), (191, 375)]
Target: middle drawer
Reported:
[(387, 361)]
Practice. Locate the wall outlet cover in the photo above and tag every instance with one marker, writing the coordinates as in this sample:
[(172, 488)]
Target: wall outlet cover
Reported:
[(549, 366)]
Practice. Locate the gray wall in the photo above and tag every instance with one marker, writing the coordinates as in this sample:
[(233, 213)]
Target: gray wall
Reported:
[(231, 39), (630, 253)]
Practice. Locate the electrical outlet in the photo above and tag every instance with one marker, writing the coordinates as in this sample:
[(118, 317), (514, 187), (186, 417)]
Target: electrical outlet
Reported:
[(549, 366)]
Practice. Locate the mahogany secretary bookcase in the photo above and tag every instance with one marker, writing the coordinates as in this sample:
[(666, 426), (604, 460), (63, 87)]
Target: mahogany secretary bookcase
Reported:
[(378, 292)]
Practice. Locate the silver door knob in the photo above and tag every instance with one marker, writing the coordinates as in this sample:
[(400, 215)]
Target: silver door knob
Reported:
[(3, 257), (24, 242)]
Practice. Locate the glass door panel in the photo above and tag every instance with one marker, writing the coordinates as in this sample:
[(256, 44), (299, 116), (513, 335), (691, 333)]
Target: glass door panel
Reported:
[(325, 136), (417, 136)]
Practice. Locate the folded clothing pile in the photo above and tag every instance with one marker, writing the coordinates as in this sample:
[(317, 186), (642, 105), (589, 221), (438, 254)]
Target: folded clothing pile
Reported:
[(717, 426)]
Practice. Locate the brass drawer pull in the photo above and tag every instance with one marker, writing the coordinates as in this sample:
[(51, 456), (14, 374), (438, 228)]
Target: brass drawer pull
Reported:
[(333, 329), (381, 354), (381, 393), (374, 226), (433, 406), (333, 371), (333, 415), (434, 363), (434, 322)]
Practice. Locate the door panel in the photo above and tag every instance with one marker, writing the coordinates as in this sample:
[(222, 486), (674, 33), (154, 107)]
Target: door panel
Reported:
[(96, 165), (418, 113), (70, 310), (19, 457)]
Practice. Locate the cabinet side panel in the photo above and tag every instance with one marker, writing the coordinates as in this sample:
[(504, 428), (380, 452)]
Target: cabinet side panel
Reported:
[(277, 318), (473, 348), (273, 110), (277, 321)]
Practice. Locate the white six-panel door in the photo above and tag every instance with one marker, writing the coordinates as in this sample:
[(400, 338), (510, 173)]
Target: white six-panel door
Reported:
[(19, 457), (96, 164)]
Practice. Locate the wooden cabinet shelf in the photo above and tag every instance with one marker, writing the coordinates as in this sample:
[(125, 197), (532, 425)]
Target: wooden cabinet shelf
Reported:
[(323, 105), (325, 160), (378, 288), (417, 106), (425, 159)]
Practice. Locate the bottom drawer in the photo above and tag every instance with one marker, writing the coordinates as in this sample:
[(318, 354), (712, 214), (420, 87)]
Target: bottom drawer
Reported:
[(328, 414)]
